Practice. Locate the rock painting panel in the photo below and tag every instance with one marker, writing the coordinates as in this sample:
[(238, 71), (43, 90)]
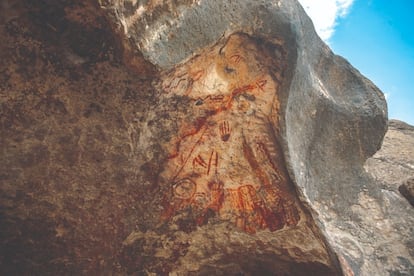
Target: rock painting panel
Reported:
[(225, 161)]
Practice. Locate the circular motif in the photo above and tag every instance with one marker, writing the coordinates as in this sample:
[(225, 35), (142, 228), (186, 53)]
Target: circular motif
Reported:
[(184, 189)]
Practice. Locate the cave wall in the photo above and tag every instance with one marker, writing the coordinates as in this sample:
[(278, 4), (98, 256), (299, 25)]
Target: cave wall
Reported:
[(70, 114)]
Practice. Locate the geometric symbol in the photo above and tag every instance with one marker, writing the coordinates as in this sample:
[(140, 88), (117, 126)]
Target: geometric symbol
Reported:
[(184, 189)]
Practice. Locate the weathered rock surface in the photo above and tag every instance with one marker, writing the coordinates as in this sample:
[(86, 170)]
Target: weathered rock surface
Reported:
[(239, 148), (394, 163), (407, 190), (392, 168), (70, 116)]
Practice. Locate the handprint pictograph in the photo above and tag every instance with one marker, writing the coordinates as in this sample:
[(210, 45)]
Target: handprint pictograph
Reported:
[(225, 131)]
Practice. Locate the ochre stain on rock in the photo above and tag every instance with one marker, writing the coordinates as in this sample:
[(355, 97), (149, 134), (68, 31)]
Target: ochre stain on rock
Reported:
[(226, 161)]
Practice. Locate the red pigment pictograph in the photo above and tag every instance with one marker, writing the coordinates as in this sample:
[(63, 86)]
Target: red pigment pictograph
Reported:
[(224, 161)]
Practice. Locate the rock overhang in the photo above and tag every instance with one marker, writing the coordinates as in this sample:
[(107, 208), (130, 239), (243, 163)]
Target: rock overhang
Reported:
[(330, 118), (212, 219)]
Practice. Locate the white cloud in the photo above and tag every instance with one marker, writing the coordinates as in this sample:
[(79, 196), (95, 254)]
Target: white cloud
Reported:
[(324, 14)]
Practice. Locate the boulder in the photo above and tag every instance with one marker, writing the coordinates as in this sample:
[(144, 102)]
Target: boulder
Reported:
[(319, 112), (191, 138)]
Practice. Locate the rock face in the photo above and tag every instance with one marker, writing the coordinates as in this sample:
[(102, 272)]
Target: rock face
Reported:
[(70, 116), (407, 190), (191, 138), (225, 158), (393, 165), (393, 169)]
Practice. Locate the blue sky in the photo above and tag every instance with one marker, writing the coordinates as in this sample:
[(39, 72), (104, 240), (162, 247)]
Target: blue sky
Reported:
[(377, 38)]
